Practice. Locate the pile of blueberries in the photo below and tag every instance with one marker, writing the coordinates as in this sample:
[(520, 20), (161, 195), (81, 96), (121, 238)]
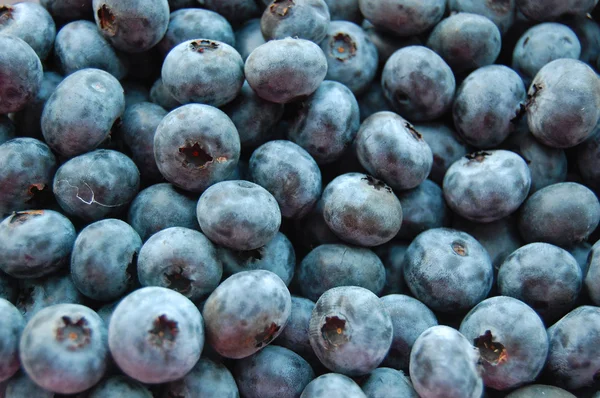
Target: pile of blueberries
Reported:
[(300, 198)]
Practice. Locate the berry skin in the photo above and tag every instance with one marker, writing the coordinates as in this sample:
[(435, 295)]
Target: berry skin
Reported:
[(386, 382), (286, 70), (448, 270), (101, 266), (10, 332), (206, 380), (132, 26), (513, 346), (333, 265), (119, 386), (332, 385), (361, 209), (544, 276), (248, 37), (501, 12), (238, 214), (487, 186), (156, 335), (238, 326), (273, 372), (180, 259), (443, 363), (555, 116), (196, 146), (391, 149), (412, 18), (350, 330), (22, 74), (538, 390), (21, 385), (80, 113), (304, 19), (96, 185), (418, 83), (289, 173), (63, 348), (561, 214), (68, 10), (35, 243), (32, 23), (190, 75), (295, 335)]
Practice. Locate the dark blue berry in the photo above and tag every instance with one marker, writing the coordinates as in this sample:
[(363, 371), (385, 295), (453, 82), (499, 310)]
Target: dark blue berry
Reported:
[(207, 379), (304, 19), (407, 18), (386, 382), (10, 332), (32, 23)]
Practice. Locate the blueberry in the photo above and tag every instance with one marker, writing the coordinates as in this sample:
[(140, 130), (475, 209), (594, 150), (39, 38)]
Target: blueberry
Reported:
[(295, 335), (28, 120), (445, 145), (96, 185), (162, 206), (156, 335), (443, 363), (238, 326), (181, 259), (28, 167), (273, 372), (544, 276), (22, 386), (196, 146), (388, 43), (63, 348), (236, 11), (500, 238), (555, 116), (35, 243), (410, 318), (288, 172), (538, 390), (580, 252), (466, 41), (487, 186), (501, 12), (588, 33), (561, 214), (239, 215), (448, 270), (30, 22), (132, 26), (80, 113), (7, 129), (542, 44), (207, 379), (80, 45), (21, 74), (161, 96), (392, 256), (573, 358), (552, 9), (511, 339), (547, 165), (333, 265), (486, 104), (418, 83), (277, 256), (304, 19), (350, 330), (106, 311), (344, 10), (361, 209), (248, 37), (386, 382), (101, 266), (286, 70), (326, 123), (138, 127), (313, 230), (37, 294), (119, 386), (406, 18), (192, 23), (588, 161), (332, 385), (254, 117), (8, 288), (10, 332), (135, 93), (190, 75), (390, 148), (592, 276), (372, 101)]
